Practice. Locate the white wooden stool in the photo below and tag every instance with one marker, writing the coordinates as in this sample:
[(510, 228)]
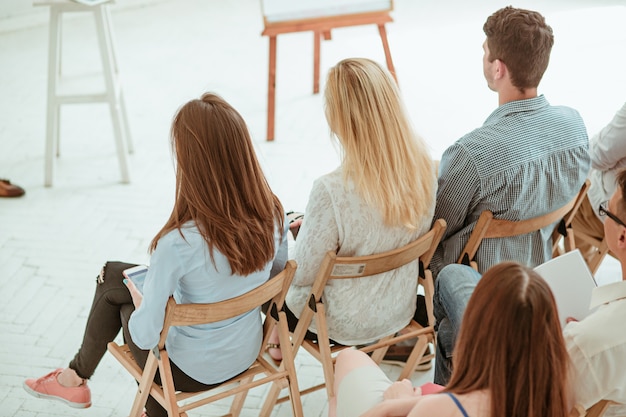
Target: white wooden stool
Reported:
[(318, 16), (58, 96)]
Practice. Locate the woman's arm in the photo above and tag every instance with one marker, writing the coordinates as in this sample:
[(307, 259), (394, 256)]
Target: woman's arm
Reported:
[(146, 322), (608, 147), (397, 407), (318, 234)]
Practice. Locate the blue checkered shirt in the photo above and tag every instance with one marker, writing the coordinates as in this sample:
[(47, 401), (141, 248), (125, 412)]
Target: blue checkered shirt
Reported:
[(529, 158)]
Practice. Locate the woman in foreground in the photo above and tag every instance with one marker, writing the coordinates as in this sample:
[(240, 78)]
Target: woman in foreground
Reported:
[(223, 233), (510, 360)]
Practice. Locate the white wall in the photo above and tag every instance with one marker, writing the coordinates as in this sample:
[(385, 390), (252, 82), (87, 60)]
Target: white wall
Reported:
[(21, 14)]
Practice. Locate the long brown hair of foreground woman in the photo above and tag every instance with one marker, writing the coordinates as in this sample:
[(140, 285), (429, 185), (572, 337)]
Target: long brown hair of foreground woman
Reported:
[(510, 360), (510, 344)]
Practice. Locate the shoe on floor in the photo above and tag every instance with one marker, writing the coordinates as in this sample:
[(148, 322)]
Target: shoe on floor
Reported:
[(398, 354), (10, 190), (48, 387)]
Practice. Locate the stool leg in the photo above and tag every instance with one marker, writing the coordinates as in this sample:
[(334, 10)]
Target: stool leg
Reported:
[(111, 40), (271, 89), (112, 89), (383, 37), (53, 113)]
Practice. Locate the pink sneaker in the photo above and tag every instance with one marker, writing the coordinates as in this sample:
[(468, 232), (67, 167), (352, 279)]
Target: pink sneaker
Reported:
[(48, 387)]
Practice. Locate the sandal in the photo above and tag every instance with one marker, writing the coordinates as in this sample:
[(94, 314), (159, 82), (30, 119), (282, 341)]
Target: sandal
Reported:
[(273, 346)]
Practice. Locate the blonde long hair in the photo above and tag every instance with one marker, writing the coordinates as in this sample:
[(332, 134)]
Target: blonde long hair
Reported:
[(220, 185), (388, 163)]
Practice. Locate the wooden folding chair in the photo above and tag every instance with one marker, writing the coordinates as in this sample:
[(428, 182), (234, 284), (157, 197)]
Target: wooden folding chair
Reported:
[(602, 249), (319, 17), (274, 290), (336, 267), (489, 228)]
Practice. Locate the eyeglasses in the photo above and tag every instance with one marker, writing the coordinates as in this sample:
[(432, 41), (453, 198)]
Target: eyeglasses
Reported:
[(605, 212)]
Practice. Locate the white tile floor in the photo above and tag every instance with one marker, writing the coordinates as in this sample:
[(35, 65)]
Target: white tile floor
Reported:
[(53, 241)]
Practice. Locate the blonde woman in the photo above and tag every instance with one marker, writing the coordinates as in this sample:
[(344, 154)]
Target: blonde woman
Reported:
[(381, 197)]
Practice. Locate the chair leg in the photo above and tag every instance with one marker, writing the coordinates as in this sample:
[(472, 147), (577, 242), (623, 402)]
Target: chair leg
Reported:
[(270, 400), (324, 346), (288, 363), (240, 398), (383, 37), (416, 354), (149, 371), (169, 392), (271, 89), (316, 61)]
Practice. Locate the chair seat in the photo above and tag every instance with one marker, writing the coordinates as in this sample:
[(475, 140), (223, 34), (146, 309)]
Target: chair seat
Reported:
[(288, 10)]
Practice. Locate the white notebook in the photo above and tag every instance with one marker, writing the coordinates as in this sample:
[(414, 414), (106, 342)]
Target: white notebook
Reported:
[(571, 282)]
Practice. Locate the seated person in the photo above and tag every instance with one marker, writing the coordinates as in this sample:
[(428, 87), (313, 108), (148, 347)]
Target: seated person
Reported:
[(511, 360), (529, 158), (608, 155), (596, 344), (220, 242), (380, 198)]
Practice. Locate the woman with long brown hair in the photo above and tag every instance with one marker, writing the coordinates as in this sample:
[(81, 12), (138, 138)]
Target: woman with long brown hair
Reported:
[(510, 359), (219, 242)]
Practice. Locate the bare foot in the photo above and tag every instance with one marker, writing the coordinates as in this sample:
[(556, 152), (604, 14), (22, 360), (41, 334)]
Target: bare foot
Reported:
[(69, 378)]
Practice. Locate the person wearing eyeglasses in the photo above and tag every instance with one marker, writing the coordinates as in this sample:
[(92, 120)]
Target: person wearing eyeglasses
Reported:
[(608, 155), (596, 344)]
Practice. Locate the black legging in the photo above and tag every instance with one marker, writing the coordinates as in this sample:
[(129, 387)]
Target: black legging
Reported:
[(110, 311)]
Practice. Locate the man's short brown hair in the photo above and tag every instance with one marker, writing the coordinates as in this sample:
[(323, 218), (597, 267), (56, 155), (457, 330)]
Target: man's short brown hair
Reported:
[(522, 40)]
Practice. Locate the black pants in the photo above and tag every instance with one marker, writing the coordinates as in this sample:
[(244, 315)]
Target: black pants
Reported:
[(110, 311)]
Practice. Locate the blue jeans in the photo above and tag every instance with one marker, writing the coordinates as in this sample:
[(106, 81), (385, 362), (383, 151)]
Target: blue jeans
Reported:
[(453, 287)]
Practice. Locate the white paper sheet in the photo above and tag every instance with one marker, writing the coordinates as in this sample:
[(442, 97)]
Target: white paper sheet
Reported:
[(571, 282)]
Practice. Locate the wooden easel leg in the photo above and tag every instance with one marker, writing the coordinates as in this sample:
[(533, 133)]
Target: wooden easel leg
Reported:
[(271, 89), (383, 37), (316, 61)]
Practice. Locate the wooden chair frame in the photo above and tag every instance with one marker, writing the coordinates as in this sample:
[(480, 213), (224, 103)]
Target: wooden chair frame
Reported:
[(336, 267), (602, 249), (274, 290), (489, 228), (599, 408), (321, 28), (596, 410)]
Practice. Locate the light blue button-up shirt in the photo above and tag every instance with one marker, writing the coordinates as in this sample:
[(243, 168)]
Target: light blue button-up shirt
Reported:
[(181, 266)]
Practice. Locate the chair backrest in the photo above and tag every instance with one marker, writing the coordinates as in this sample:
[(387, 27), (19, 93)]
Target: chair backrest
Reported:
[(273, 291), (342, 267), (489, 228)]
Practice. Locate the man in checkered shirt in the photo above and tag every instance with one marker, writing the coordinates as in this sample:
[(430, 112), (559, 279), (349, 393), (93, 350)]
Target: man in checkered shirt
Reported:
[(528, 158)]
